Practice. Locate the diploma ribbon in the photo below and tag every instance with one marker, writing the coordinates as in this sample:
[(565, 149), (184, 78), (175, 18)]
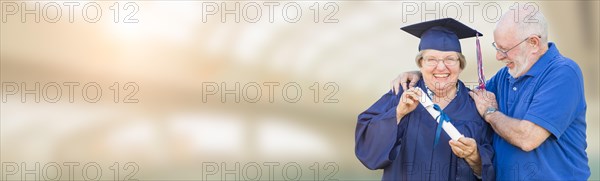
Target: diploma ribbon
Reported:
[(443, 117)]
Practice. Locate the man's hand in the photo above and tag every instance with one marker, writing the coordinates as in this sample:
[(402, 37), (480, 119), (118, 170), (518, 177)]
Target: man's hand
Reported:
[(483, 100), (406, 79), (467, 148), (408, 102)]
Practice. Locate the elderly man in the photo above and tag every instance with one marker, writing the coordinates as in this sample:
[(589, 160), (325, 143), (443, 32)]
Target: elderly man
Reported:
[(536, 104)]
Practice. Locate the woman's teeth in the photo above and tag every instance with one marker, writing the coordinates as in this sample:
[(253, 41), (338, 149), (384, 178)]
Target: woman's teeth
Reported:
[(441, 75)]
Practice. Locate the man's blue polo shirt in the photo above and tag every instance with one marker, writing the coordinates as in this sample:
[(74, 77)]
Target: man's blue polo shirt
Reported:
[(550, 95)]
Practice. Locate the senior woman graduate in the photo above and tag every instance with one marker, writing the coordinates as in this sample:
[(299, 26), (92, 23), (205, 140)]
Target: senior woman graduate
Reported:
[(397, 134)]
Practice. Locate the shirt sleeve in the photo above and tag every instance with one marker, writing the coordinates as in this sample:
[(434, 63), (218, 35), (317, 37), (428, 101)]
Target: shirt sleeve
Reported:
[(492, 84), (377, 133), (555, 102)]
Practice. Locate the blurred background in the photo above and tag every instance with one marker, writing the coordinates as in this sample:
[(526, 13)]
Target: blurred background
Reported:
[(167, 72)]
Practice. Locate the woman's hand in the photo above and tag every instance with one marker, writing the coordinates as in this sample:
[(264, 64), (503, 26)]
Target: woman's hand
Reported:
[(408, 102), (467, 148)]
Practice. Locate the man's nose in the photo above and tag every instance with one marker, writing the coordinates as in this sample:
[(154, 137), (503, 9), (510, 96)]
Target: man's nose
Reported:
[(499, 55)]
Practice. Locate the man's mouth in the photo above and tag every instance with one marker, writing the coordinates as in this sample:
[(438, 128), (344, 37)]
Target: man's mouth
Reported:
[(510, 64)]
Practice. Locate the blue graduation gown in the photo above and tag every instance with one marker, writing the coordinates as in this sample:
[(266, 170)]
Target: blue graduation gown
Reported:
[(406, 152)]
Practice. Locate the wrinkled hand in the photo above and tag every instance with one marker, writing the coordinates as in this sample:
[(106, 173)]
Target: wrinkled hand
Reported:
[(406, 79), (464, 148), (408, 102), (483, 100)]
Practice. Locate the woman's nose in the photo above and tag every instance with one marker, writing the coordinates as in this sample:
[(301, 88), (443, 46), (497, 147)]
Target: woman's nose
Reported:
[(440, 65)]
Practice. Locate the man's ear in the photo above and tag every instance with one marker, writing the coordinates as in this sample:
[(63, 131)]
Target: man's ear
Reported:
[(534, 42)]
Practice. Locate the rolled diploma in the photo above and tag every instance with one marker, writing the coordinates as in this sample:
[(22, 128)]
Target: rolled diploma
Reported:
[(447, 126)]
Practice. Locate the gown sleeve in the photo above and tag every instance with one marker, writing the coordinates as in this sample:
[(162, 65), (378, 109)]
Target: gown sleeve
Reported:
[(486, 152), (377, 133)]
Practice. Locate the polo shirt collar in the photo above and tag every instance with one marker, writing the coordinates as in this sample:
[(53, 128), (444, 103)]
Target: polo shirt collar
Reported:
[(543, 62)]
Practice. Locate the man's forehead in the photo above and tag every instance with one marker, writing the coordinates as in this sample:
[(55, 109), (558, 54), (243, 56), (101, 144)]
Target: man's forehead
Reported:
[(504, 34)]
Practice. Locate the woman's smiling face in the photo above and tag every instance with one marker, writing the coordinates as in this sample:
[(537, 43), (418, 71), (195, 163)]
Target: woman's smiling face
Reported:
[(440, 69)]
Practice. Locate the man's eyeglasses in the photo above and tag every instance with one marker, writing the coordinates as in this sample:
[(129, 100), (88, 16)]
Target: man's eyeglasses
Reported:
[(505, 52)]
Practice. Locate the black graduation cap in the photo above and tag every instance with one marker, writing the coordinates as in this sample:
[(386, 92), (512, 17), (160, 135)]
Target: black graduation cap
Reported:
[(441, 34)]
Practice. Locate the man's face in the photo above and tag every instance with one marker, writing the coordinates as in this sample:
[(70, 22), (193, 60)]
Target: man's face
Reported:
[(516, 59)]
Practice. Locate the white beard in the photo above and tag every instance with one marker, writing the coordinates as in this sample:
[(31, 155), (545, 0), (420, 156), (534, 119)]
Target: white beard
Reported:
[(519, 69)]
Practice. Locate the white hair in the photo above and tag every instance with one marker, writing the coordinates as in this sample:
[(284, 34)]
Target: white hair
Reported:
[(530, 21)]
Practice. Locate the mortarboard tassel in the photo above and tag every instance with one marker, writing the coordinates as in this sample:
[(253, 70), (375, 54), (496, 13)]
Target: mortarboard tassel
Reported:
[(479, 64)]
